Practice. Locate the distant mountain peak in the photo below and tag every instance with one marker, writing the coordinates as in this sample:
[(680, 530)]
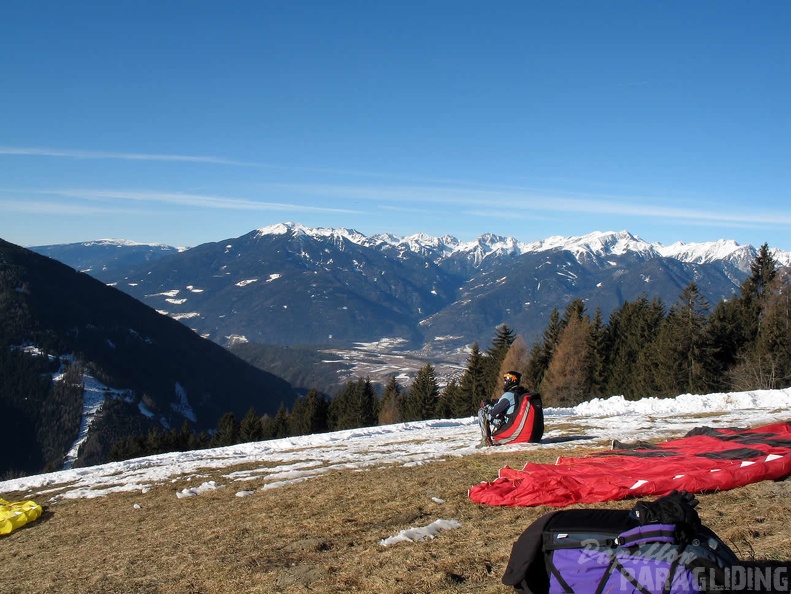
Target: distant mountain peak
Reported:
[(297, 229), (595, 244), (722, 249), (126, 243)]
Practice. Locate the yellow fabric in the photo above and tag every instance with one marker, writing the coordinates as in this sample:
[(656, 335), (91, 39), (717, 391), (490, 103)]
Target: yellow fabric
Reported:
[(17, 514)]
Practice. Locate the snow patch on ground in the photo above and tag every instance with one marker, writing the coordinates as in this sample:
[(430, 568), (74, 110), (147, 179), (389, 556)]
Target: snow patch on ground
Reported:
[(420, 534), (274, 463), (203, 488)]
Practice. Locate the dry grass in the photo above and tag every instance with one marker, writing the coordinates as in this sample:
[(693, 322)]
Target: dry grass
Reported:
[(321, 535)]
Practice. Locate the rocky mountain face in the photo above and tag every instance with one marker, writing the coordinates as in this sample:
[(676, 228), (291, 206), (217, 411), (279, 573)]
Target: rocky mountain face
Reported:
[(289, 284)]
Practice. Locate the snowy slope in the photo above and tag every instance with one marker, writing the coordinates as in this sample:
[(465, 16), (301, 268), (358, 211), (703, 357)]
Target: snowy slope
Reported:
[(279, 462)]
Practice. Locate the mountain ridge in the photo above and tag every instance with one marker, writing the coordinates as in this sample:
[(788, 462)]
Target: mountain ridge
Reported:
[(597, 242), (292, 284)]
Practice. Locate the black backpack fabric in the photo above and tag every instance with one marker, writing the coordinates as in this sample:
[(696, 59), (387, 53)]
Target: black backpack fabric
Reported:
[(589, 551)]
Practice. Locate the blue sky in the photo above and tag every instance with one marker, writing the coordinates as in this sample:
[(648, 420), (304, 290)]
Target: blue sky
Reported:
[(184, 122)]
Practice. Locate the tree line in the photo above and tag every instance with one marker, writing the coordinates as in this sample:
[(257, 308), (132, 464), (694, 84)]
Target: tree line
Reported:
[(644, 349)]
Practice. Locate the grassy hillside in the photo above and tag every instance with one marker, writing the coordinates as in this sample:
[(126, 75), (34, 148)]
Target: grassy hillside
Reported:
[(324, 534)]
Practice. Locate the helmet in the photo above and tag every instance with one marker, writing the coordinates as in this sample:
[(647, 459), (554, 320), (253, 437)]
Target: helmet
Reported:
[(511, 378)]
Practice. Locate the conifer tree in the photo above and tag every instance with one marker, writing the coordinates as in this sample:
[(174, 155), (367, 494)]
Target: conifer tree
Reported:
[(421, 402), (154, 441), (574, 311), (597, 354), (631, 330), (567, 380), (336, 413), (183, 441), (280, 424), (774, 335), (355, 407), (473, 387), (680, 359), (541, 352), (251, 429), (368, 404), (315, 412), (766, 362), (227, 431), (727, 334), (763, 270), (198, 441), (517, 359), (447, 397), (735, 326), (391, 408), (297, 421), (502, 341), (753, 293)]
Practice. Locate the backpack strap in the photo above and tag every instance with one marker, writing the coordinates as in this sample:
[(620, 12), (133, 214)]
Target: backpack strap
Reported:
[(617, 566), (648, 533), (671, 574), (554, 571), (652, 533)]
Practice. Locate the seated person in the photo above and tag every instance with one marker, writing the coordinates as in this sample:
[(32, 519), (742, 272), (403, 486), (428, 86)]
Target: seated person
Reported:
[(491, 417)]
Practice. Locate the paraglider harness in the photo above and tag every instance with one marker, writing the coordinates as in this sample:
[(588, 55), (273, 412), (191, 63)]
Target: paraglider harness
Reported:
[(501, 420), (525, 424), (656, 547)]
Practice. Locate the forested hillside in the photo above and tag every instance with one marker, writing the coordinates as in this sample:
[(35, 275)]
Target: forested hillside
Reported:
[(59, 327)]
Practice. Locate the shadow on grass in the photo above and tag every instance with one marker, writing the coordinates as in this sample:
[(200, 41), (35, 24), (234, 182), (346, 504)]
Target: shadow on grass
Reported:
[(45, 516), (566, 438)]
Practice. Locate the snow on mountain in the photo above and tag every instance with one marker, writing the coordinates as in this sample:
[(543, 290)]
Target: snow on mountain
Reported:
[(121, 243), (595, 244), (433, 248), (781, 257), (418, 287), (701, 253), (297, 230), (272, 464)]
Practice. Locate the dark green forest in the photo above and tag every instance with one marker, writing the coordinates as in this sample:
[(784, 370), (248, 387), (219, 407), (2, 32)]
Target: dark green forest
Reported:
[(645, 349)]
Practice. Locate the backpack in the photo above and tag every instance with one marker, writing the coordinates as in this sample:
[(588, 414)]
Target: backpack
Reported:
[(596, 551)]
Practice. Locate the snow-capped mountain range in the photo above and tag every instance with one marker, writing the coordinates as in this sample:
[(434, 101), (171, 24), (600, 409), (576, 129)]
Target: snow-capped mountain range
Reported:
[(491, 245), (292, 284)]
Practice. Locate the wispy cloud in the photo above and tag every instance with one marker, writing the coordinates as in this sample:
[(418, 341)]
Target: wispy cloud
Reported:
[(50, 207), (530, 201), (88, 154), (355, 199), (159, 157), (193, 200)]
